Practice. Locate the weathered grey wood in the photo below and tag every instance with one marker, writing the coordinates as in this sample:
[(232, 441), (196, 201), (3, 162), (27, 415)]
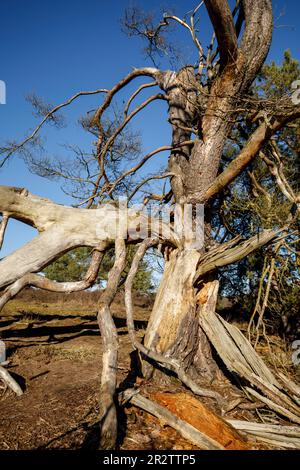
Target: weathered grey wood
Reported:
[(43, 283), (290, 385), (252, 427), (63, 228), (284, 436), (167, 362), (274, 406), (253, 360), (174, 312), (10, 382), (3, 225), (240, 357), (109, 334)]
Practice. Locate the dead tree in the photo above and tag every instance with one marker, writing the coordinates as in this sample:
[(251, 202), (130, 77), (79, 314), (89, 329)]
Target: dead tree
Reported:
[(203, 105)]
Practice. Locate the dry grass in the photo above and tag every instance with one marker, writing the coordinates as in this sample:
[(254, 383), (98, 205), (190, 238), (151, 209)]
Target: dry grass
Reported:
[(74, 352)]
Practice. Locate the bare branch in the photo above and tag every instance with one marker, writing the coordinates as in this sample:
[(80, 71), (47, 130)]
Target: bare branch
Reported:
[(147, 71), (191, 29), (108, 418), (102, 151), (63, 228), (255, 143), (8, 380), (240, 251), (149, 178), (276, 171), (46, 118), (133, 96), (3, 226), (185, 429), (132, 170), (42, 282)]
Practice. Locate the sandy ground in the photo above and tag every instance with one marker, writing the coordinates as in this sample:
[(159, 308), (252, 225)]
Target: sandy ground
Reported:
[(56, 358)]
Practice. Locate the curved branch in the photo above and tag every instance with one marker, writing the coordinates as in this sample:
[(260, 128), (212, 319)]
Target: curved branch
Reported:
[(63, 228), (149, 178), (146, 71), (134, 95), (8, 380), (220, 258), (108, 144), (108, 418), (132, 170), (251, 149), (3, 226), (42, 282), (190, 28)]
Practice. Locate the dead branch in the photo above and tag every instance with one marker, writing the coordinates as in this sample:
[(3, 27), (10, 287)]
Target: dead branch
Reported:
[(63, 228), (147, 71), (276, 171), (146, 180), (108, 330), (220, 258), (102, 151), (275, 434), (239, 356), (3, 226), (273, 405), (10, 382), (17, 147), (191, 29), (134, 95), (136, 167), (42, 282)]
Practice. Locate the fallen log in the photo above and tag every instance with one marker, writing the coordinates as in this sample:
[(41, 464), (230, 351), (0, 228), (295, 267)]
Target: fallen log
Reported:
[(186, 430)]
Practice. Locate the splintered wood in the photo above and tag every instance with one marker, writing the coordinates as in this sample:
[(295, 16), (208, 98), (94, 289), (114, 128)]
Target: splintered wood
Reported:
[(240, 358), (190, 410)]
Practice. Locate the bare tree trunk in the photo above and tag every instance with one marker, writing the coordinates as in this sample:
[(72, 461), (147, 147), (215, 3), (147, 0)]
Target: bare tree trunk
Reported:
[(173, 328)]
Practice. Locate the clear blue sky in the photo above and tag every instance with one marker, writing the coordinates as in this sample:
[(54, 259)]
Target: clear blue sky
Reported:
[(58, 47)]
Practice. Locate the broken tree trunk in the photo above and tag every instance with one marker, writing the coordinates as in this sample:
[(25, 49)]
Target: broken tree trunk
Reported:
[(173, 329), (240, 358)]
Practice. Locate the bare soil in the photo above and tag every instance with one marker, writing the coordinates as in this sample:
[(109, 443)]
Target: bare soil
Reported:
[(55, 355)]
